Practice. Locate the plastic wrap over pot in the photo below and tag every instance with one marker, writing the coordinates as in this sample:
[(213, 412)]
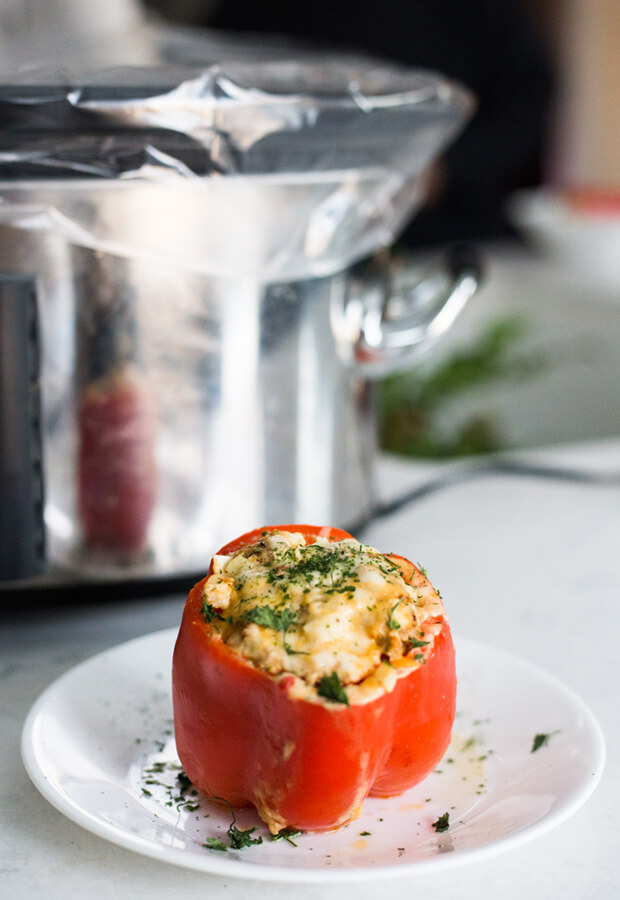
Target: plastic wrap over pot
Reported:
[(190, 231), (274, 171)]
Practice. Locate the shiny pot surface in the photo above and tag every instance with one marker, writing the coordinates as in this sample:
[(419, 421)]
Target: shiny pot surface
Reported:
[(180, 408), (176, 247)]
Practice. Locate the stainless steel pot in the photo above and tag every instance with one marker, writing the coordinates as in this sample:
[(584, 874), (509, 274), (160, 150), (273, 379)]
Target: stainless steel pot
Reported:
[(208, 342), (186, 422)]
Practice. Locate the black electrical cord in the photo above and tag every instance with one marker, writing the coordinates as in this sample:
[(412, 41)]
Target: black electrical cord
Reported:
[(471, 472)]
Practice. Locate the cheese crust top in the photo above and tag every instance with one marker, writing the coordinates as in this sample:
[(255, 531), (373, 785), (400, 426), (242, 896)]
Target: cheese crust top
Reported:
[(338, 619)]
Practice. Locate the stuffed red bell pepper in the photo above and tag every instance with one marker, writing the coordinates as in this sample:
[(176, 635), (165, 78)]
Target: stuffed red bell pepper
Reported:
[(310, 671)]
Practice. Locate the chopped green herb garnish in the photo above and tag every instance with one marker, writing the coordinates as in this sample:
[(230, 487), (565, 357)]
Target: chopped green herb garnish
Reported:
[(238, 838), (541, 740), (241, 837), (213, 843), (332, 568), (442, 823), (209, 612), (277, 621), (183, 782), (331, 688), (286, 834), (422, 569), (414, 643), (270, 618), (364, 833), (392, 623)]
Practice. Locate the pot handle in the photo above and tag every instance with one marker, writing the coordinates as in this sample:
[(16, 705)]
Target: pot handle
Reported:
[(380, 332), (22, 535)]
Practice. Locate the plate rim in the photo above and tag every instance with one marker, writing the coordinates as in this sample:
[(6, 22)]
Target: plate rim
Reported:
[(226, 866)]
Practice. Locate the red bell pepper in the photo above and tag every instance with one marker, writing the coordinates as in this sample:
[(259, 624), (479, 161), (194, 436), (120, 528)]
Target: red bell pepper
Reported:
[(306, 765)]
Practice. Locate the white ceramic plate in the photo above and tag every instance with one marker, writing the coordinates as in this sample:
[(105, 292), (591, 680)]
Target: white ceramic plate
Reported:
[(98, 744)]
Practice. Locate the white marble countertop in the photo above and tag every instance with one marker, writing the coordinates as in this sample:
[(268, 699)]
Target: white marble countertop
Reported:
[(527, 564)]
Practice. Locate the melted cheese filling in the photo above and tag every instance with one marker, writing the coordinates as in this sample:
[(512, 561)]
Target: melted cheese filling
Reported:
[(305, 612)]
